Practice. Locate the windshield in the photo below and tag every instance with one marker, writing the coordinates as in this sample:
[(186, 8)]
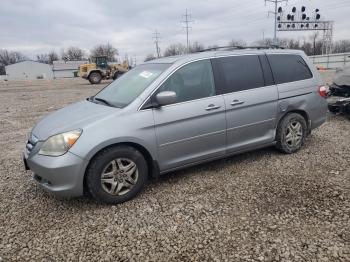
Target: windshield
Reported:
[(125, 89)]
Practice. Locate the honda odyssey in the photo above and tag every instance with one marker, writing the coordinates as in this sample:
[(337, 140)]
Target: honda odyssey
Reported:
[(176, 112)]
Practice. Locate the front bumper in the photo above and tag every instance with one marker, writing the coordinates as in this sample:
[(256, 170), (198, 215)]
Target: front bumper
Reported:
[(62, 175)]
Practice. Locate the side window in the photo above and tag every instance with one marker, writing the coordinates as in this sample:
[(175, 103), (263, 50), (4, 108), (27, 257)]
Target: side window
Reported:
[(192, 81), (289, 68), (241, 72)]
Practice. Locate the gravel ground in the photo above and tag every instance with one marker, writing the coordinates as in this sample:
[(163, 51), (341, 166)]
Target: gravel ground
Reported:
[(258, 206)]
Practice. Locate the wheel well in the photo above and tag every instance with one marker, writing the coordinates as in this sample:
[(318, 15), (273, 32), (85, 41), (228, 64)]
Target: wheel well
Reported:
[(95, 71), (302, 113), (151, 164)]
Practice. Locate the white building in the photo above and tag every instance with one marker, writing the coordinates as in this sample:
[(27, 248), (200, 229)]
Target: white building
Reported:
[(28, 70), (64, 69)]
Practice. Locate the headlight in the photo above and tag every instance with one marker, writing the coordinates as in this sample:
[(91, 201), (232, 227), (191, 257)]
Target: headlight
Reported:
[(58, 145)]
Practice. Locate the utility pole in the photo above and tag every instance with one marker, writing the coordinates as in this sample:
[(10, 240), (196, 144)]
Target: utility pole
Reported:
[(156, 37), (275, 13), (263, 35), (187, 21)]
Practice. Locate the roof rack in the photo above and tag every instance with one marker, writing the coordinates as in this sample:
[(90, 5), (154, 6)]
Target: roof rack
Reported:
[(229, 48)]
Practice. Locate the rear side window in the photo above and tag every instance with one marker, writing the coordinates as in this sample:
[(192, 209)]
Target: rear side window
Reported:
[(241, 72), (289, 68)]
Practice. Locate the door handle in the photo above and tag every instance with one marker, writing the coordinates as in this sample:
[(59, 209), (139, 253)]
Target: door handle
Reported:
[(237, 102), (212, 107)]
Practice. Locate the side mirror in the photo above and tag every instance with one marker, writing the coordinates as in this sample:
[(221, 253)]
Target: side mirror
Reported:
[(166, 98)]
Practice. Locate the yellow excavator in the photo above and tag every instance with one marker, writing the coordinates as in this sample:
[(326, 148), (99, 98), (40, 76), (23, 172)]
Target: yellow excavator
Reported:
[(99, 69)]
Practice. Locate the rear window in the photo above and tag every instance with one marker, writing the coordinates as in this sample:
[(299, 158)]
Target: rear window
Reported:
[(289, 68), (241, 72)]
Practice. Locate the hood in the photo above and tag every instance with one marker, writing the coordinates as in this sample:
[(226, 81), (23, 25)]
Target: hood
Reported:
[(72, 117), (342, 77)]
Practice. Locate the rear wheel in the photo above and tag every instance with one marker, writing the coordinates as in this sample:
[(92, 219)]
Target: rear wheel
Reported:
[(291, 133), (95, 78), (116, 175)]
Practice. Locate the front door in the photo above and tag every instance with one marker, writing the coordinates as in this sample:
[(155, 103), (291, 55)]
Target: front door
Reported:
[(194, 128)]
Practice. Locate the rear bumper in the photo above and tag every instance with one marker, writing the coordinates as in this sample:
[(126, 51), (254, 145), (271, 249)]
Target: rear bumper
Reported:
[(62, 176)]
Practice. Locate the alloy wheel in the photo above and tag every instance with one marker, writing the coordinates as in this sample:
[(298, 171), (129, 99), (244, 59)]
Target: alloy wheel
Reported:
[(294, 134), (119, 176)]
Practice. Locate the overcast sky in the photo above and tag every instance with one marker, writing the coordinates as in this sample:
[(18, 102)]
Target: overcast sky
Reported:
[(40, 26)]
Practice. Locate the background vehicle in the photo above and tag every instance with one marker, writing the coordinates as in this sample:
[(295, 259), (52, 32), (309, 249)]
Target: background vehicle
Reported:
[(339, 92), (100, 69), (175, 112)]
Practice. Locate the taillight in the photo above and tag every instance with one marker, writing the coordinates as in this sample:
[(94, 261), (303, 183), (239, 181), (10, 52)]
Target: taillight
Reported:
[(323, 90)]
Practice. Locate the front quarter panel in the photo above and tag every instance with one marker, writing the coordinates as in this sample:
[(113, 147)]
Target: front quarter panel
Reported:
[(134, 127)]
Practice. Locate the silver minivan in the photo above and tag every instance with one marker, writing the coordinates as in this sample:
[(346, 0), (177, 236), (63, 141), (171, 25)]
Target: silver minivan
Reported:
[(175, 112)]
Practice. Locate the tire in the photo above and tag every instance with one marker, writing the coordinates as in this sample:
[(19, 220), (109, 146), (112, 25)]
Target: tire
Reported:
[(291, 133), (333, 109), (346, 111), (116, 75), (95, 78), (102, 175)]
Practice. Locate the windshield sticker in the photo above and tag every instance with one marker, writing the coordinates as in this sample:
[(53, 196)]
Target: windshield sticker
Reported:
[(146, 74)]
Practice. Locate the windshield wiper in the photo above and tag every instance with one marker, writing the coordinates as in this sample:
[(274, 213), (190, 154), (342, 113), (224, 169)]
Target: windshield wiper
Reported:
[(103, 101)]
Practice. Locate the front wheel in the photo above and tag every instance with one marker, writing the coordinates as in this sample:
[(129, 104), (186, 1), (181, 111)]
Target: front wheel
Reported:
[(95, 78), (116, 175), (291, 133)]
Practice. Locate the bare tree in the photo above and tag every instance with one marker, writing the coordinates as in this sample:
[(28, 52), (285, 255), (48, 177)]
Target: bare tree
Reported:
[(175, 49), (196, 47), (292, 44), (42, 58), (150, 57), (311, 46), (47, 58), (10, 57), (341, 46), (73, 54), (314, 39), (237, 42), (105, 50), (264, 42), (307, 47), (212, 46), (52, 56)]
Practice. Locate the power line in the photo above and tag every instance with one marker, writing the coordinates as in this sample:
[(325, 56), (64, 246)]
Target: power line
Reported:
[(156, 37), (275, 13), (187, 21)]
